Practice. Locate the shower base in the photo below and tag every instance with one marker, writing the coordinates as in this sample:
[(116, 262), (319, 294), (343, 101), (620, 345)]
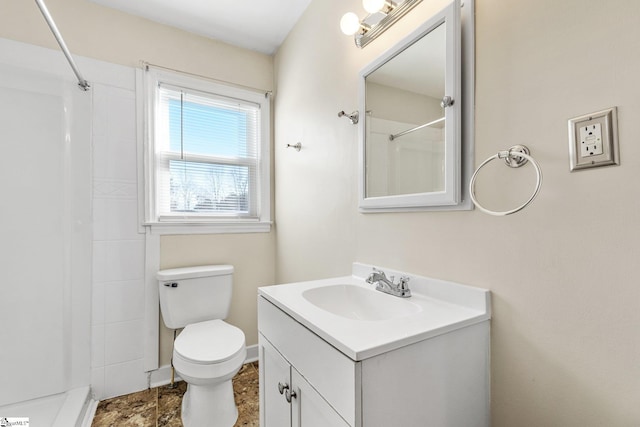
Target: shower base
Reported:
[(74, 408)]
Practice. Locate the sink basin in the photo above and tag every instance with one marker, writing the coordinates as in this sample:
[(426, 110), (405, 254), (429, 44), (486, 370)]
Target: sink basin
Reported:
[(362, 322), (359, 303)]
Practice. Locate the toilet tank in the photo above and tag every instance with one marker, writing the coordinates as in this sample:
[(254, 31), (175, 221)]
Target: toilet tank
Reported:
[(195, 294)]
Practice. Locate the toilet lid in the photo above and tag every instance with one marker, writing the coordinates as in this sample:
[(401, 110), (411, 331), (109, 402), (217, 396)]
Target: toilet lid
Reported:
[(209, 342)]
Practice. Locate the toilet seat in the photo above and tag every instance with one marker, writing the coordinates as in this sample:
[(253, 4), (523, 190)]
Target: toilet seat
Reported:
[(212, 341), (210, 350)]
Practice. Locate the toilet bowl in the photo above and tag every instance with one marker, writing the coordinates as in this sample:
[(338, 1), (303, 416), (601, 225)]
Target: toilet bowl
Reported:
[(207, 355), (208, 352)]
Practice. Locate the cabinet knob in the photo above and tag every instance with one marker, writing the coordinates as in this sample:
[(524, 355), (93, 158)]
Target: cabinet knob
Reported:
[(283, 387), (290, 395)]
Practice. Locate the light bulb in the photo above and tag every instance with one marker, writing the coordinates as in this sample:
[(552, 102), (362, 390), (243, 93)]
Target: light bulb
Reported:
[(350, 23), (373, 6)]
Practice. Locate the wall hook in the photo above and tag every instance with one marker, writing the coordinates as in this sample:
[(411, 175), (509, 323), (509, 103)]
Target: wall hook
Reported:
[(297, 146), (353, 117)]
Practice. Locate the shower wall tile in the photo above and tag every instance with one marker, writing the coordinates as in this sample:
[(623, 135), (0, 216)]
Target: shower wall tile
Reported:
[(122, 162), (97, 383), (122, 218), (124, 378), (124, 301), (115, 152), (98, 304), (100, 272), (115, 218), (118, 247), (100, 150), (123, 342), (125, 260), (110, 188), (100, 218), (100, 112), (97, 346), (122, 127)]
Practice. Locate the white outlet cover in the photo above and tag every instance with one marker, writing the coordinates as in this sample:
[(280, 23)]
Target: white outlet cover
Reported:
[(593, 140)]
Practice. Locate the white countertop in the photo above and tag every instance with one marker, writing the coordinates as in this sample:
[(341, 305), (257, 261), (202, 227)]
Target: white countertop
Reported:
[(445, 306)]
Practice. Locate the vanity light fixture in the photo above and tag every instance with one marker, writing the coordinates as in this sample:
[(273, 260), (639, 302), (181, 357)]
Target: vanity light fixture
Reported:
[(382, 15), (375, 6), (350, 24)]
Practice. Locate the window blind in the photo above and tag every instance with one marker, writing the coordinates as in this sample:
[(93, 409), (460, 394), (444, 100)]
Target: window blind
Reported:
[(207, 155)]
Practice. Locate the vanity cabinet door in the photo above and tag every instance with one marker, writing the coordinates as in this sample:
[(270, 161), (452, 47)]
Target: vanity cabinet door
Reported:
[(286, 398), (331, 374), (275, 375), (309, 409)]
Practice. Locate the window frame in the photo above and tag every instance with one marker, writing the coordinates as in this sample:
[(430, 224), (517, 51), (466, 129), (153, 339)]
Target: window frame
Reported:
[(203, 223)]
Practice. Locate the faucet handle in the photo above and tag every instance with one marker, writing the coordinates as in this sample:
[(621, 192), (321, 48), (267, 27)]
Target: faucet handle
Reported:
[(403, 282), (370, 279), (380, 272)]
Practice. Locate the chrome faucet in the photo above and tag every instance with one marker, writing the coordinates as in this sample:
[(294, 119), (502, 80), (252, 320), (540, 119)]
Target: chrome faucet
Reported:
[(386, 285)]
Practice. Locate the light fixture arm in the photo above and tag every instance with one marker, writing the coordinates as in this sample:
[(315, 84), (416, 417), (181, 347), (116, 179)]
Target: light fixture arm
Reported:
[(388, 7), (363, 29)]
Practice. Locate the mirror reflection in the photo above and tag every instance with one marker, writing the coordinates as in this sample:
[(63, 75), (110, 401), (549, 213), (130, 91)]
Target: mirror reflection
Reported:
[(405, 122)]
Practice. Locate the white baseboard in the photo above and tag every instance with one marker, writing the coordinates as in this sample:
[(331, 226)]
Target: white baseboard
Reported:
[(162, 375), (252, 353)]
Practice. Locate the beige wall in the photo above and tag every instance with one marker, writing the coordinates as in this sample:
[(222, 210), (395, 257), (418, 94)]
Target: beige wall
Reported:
[(101, 33), (563, 271)]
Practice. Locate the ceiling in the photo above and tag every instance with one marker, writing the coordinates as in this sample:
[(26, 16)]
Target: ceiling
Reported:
[(259, 25)]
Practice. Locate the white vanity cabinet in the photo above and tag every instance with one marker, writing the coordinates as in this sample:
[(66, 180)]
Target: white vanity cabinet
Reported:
[(321, 378), (289, 400), (441, 381)]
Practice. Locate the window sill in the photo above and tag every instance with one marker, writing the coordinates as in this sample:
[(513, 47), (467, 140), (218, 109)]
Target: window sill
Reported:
[(163, 228)]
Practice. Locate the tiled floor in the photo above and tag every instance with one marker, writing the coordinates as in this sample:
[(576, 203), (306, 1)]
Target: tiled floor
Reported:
[(160, 406)]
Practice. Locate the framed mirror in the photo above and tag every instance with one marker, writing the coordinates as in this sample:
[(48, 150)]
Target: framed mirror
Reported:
[(412, 155)]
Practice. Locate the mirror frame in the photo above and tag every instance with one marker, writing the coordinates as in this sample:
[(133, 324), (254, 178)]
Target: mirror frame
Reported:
[(459, 84)]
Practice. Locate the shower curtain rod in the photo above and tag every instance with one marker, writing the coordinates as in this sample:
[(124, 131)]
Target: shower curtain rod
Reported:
[(84, 85), (397, 135)]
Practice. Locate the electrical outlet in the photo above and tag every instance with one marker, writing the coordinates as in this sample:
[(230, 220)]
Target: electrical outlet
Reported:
[(593, 140)]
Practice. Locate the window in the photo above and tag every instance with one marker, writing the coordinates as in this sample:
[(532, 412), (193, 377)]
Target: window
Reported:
[(207, 155)]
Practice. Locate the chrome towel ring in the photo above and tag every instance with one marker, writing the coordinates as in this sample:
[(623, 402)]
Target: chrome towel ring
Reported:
[(516, 156)]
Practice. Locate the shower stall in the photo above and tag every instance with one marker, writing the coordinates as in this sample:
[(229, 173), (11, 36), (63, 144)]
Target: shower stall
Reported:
[(45, 246)]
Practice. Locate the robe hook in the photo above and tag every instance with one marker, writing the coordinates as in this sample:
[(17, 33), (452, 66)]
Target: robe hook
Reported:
[(353, 117), (297, 146)]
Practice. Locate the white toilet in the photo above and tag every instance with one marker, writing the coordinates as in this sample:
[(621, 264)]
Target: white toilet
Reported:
[(208, 352)]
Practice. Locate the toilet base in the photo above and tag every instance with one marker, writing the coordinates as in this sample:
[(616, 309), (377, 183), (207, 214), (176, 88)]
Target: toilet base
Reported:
[(209, 405)]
